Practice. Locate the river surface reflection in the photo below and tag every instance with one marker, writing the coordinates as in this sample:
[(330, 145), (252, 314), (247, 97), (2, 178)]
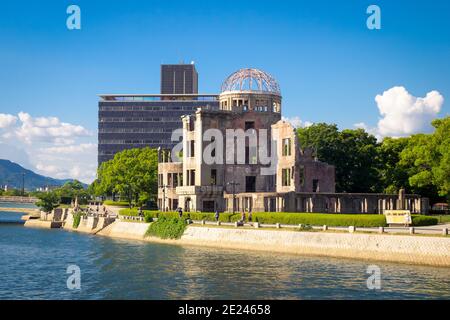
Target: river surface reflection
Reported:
[(34, 261)]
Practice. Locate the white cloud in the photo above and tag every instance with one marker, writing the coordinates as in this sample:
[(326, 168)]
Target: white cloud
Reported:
[(7, 120), (48, 169), (402, 114), (48, 129), (296, 122), (72, 149), (49, 146)]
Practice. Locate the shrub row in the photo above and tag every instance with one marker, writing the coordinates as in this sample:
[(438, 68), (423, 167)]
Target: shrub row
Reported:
[(167, 228), (317, 219), (419, 220)]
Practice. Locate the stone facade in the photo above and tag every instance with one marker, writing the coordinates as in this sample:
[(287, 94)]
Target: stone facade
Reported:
[(323, 202)]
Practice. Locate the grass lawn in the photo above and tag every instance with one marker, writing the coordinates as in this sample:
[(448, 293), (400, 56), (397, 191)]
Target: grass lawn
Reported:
[(443, 219)]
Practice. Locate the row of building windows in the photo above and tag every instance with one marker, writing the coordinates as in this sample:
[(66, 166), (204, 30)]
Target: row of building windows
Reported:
[(288, 173), (107, 152), (257, 109), (176, 179), (119, 141), (211, 98), (135, 130), (164, 119), (147, 108), (173, 180)]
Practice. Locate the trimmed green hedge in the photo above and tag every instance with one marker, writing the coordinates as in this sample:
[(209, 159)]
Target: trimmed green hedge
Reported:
[(319, 219), (315, 219), (167, 228), (357, 220), (420, 220)]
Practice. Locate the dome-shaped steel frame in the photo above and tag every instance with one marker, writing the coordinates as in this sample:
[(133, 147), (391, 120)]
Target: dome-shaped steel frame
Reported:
[(252, 80)]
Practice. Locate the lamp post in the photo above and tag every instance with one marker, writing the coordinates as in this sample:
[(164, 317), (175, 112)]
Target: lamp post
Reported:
[(163, 186), (233, 184)]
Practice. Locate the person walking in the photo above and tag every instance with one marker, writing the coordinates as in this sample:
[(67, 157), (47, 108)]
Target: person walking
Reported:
[(216, 215), (180, 212), (243, 216)]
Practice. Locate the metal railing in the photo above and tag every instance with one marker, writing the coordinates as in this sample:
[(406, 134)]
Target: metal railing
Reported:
[(432, 230)]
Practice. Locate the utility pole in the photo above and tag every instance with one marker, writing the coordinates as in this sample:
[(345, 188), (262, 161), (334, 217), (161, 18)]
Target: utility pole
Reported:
[(233, 184), (23, 184)]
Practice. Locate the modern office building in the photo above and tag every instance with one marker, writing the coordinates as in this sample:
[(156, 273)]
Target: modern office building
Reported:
[(127, 121), (179, 79)]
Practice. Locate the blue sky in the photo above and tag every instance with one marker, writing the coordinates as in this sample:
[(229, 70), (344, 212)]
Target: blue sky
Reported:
[(330, 66)]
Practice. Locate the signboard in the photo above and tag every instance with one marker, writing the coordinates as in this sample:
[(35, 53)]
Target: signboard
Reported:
[(398, 217)]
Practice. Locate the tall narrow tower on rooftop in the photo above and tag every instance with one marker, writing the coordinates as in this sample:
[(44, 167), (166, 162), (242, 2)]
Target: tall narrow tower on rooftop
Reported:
[(179, 79)]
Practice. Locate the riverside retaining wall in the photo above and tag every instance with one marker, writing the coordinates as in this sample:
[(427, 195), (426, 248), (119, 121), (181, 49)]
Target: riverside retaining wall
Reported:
[(89, 224), (395, 248)]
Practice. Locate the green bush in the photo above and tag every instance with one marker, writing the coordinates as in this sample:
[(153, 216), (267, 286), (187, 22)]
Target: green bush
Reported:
[(167, 228), (76, 220), (148, 218), (318, 219), (420, 220)]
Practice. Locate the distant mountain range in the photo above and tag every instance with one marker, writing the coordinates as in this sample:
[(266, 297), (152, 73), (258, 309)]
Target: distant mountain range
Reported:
[(11, 175)]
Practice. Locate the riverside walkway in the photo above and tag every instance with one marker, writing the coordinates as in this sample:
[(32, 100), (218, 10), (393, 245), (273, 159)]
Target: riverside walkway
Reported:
[(29, 211), (440, 229), (18, 199)]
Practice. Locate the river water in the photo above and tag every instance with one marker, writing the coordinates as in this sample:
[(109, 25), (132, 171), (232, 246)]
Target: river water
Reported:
[(33, 265)]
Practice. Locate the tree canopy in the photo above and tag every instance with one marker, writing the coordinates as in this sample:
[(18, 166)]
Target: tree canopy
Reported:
[(71, 190), (426, 159), (47, 201), (131, 173), (419, 163)]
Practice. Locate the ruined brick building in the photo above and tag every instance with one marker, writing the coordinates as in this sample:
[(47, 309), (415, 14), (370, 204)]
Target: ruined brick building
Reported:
[(242, 156)]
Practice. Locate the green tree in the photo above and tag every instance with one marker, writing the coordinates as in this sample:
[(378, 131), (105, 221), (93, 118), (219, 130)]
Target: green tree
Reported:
[(132, 173), (47, 201), (426, 158), (393, 176), (71, 190)]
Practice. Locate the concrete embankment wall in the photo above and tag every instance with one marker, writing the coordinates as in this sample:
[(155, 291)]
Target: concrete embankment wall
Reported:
[(395, 248), (126, 230), (87, 224), (35, 223)]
